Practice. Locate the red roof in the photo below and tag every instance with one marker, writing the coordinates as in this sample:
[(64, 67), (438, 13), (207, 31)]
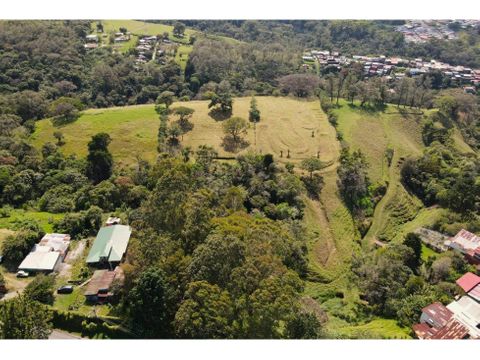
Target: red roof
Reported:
[(423, 331), (468, 281), (438, 313), (453, 330)]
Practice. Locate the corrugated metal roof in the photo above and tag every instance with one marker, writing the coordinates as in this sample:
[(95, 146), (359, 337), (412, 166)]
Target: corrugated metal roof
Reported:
[(110, 244), (59, 242), (438, 312), (423, 331), (451, 331), (101, 279), (475, 293), (467, 311), (468, 281), (465, 240), (40, 261)]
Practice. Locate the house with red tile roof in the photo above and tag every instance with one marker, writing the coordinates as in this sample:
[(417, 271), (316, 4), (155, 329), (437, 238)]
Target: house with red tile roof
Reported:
[(468, 281)]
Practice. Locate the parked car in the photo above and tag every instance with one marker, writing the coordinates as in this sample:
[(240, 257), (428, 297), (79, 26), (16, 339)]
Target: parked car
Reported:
[(22, 274), (66, 289)]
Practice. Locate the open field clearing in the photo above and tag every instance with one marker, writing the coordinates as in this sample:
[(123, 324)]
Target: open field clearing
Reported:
[(286, 124), (45, 219)]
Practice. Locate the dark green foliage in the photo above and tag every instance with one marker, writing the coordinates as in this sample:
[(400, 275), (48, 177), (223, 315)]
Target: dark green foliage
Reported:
[(205, 313), (146, 305), (443, 176), (303, 326), (99, 159), (414, 242), (254, 113), (83, 224), (41, 289), (16, 247), (23, 318)]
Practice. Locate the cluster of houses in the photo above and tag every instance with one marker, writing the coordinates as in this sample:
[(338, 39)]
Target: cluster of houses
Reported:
[(145, 49), (395, 68), (419, 31), (47, 255), (461, 318), (458, 320), (121, 37)]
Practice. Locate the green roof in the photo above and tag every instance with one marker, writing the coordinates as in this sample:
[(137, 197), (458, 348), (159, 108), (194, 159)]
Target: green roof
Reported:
[(110, 244)]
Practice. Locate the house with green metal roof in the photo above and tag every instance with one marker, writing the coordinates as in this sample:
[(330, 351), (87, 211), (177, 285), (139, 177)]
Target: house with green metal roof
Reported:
[(110, 245)]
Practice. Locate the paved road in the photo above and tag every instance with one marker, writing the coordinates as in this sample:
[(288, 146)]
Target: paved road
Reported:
[(62, 335)]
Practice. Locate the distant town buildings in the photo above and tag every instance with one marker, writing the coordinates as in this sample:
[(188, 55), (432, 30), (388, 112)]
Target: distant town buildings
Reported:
[(419, 31), (392, 68)]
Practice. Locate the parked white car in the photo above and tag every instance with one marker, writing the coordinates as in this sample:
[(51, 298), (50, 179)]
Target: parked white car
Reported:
[(22, 274)]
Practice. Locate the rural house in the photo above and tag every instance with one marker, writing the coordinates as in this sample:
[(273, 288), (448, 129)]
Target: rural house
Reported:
[(437, 322), (468, 244), (99, 289), (41, 260), (110, 245), (47, 254)]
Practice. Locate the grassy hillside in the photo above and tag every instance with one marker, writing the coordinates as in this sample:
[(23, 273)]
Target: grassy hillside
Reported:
[(286, 124), (374, 132)]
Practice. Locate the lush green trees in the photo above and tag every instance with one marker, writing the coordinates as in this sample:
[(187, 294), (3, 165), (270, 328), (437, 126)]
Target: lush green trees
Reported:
[(234, 128), (205, 313), (84, 223), (184, 115), (301, 85), (222, 98), (354, 185), (65, 109), (41, 289), (165, 99), (311, 165), (414, 242), (179, 29), (17, 246), (146, 305), (23, 318), (382, 277), (303, 325), (99, 159), (254, 113)]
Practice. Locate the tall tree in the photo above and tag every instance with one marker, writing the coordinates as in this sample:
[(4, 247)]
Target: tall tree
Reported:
[(254, 113), (206, 313), (99, 159), (146, 305), (23, 318), (234, 128)]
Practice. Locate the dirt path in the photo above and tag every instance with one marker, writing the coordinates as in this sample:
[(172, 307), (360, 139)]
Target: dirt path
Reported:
[(66, 267)]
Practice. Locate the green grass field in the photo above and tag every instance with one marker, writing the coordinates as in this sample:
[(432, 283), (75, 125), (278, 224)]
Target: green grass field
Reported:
[(286, 124), (45, 219)]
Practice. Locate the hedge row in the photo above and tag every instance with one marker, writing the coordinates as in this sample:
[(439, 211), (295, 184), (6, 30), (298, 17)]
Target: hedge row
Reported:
[(87, 326)]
